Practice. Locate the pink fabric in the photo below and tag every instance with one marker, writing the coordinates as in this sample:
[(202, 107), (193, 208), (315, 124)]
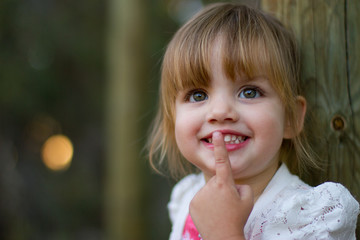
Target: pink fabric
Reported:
[(190, 232)]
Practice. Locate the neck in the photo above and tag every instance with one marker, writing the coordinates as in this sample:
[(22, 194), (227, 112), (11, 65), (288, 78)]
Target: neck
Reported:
[(259, 182)]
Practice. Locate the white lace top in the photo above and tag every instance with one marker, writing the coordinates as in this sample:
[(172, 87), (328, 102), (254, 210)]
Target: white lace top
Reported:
[(288, 209)]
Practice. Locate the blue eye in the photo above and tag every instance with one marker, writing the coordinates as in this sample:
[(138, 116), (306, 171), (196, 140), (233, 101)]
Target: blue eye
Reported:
[(196, 96), (250, 93)]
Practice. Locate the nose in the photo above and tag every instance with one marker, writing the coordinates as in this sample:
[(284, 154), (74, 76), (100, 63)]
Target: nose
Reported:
[(222, 110)]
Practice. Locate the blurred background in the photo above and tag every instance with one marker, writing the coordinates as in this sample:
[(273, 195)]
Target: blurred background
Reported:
[(78, 90)]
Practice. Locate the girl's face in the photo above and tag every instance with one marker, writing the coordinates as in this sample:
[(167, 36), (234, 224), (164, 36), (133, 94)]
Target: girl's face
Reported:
[(250, 115)]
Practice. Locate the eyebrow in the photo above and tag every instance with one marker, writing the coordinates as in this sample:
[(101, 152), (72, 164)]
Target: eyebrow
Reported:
[(247, 79)]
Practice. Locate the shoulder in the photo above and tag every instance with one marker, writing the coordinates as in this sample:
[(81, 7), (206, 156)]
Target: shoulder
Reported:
[(327, 211), (187, 184), (183, 192)]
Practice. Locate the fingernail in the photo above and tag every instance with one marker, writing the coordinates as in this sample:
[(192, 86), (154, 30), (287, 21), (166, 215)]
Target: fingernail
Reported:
[(216, 135)]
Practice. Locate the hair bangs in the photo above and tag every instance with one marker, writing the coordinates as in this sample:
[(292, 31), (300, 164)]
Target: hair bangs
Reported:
[(254, 49), (187, 61), (245, 57), (192, 64)]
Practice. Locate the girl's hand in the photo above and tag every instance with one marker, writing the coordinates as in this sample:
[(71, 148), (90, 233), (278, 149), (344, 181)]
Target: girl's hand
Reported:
[(221, 208)]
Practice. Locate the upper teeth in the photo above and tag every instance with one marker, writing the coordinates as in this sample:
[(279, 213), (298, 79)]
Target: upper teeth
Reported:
[(231, 139)]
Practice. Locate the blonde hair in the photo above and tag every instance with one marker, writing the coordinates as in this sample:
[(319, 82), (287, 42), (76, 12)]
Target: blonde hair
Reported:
[(254, 43)]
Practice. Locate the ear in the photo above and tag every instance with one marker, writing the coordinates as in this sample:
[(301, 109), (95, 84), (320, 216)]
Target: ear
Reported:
[(290, 131)]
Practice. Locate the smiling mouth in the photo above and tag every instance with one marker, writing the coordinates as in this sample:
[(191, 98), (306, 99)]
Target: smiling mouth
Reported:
[(230, 139)]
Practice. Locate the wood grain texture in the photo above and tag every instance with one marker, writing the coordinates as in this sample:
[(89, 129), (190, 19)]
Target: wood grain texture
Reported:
[(353, 75), (328, 33)]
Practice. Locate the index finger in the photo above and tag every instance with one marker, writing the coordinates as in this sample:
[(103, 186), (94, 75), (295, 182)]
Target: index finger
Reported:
[(222, 162)]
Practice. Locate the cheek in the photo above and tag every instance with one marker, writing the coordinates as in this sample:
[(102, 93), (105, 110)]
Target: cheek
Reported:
[(182, 130), (182, 139), (271, 123), (186, 130), (178, 132)]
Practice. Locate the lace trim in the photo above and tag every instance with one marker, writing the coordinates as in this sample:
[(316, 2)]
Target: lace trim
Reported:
[(308, 213)]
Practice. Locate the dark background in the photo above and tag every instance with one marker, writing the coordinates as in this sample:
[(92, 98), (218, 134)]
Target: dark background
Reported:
[(53, 78)]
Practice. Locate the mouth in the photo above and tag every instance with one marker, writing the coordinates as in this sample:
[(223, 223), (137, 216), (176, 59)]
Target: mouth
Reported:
[(229, 139)]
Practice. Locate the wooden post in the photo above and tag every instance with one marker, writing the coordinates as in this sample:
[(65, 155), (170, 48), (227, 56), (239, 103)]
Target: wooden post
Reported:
[(124, 181), (328, 32)]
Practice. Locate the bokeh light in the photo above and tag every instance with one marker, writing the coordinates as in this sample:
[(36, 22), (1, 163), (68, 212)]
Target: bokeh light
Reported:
[(57, 152)]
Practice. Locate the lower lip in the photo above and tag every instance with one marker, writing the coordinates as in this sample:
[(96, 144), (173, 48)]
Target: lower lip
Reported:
[(229, 147)]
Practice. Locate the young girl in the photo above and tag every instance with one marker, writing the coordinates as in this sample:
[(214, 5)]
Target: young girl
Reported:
[(230, 108)]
